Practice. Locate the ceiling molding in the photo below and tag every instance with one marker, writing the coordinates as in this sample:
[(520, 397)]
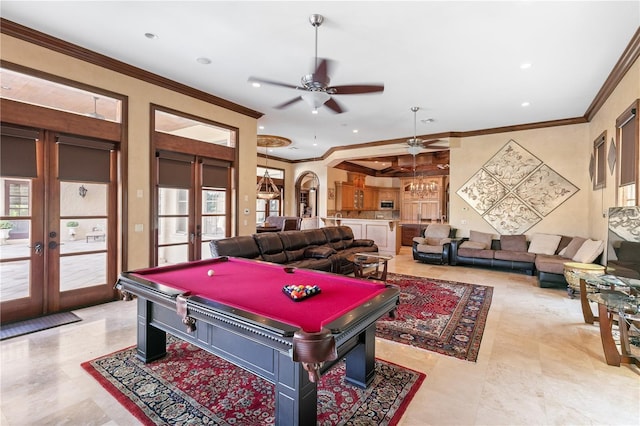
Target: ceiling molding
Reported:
[(52, 43), (626, 61)]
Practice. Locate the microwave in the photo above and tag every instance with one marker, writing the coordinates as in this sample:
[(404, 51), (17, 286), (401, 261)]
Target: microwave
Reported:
[(386, 204)]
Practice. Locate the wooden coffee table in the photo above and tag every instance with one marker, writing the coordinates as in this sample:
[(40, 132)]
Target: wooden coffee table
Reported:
[(369, 265)]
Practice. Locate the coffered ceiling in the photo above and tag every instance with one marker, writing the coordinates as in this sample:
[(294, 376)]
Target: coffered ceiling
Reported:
[(468, 65)]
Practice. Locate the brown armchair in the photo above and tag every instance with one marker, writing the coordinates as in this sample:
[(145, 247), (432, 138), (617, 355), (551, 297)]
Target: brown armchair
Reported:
[(434, 245)]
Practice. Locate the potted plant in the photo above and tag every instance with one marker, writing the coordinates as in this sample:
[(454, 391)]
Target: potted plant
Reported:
[(72, 225), (5, 227)]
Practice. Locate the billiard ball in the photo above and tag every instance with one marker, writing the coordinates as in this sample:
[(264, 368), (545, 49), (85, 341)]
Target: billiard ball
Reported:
[(210, 272)]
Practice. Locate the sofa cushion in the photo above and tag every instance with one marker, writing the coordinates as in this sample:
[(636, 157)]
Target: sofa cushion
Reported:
[(334, 237), (271, 247), (481, 237), (589, 251), (363, 242), (315, 237), (427, 248), (573, 247), (552, 264), (347, 236), (239, 246), (544, 243), (472, 245), (513, 242), (474, 252), (319, 252), (437, 230), (294, 244), (515, 256), (564, 242)]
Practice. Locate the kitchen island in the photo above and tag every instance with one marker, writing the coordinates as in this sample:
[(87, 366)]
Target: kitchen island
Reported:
[(384, 232)]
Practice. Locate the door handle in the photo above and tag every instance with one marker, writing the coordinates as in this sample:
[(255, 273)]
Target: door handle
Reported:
[(38, 248)]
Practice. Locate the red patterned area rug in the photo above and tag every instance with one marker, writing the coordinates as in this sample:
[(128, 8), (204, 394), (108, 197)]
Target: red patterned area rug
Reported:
[(446, 317), (191, 386)]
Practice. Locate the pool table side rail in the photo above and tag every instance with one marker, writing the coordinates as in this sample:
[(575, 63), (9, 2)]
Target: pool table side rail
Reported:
[(167, 296)]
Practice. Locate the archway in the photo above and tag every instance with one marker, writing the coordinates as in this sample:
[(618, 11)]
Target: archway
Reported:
[(307, 187)]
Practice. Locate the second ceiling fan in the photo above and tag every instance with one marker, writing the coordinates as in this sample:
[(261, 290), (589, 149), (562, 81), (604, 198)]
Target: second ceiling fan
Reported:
[(316, 85)]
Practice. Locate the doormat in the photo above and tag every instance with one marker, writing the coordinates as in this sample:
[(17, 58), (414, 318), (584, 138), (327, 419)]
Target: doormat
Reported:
[(37, 324)]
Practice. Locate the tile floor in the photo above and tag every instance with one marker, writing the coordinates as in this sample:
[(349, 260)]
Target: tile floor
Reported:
[(538, 364)]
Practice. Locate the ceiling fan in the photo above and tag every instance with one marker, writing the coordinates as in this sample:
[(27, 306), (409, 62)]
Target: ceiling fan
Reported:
[(316, 85)]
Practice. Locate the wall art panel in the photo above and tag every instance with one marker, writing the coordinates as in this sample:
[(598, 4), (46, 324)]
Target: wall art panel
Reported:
[(514, 190)]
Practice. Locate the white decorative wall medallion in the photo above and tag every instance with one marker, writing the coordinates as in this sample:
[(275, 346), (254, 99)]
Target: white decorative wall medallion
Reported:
[(514, 190)]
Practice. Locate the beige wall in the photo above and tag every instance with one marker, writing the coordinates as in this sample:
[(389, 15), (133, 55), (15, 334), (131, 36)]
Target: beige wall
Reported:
[(566, 149), (623, 96), (553, 146), (140, 96)]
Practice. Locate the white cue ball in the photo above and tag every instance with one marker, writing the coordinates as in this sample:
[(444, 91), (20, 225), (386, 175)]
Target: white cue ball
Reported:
[(210, 272)]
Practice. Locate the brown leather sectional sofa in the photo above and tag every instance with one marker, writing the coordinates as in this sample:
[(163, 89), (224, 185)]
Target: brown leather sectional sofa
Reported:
[(323, 249)]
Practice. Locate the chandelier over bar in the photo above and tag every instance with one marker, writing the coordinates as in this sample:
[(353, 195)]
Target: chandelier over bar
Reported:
[(266, 189), (418, 187)]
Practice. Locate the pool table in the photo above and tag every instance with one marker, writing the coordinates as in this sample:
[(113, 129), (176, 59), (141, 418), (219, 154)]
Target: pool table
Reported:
[(237, 309)]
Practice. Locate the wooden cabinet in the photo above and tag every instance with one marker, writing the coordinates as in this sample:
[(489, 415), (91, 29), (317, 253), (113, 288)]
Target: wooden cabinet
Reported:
[(370, 201), (389, 194), (409, 231), (345, 196), (426, 208)]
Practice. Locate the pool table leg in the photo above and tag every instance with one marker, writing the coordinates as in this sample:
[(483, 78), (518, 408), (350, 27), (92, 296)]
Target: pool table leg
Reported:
[(152, 342), (361, 360), (296, 395)]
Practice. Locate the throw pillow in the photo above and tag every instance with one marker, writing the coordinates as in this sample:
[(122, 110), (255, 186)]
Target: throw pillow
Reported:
[(513, 242), (589, 250), (544, 244), (480, 237), (473, 245), (573, 247)]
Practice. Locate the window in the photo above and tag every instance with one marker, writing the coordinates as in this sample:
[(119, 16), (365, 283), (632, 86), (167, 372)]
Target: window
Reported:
[(628, 155), (60, 97), (17, 193)]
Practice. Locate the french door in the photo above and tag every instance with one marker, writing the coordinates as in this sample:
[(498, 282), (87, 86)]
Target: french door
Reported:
[(192, 206), (58, 215)]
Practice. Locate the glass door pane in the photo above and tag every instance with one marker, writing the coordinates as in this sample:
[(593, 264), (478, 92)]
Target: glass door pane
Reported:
[(173, 225), (15, 232), (83, 235)]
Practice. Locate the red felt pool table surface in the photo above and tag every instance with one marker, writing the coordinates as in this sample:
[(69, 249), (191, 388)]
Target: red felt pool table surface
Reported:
[(256, 287)]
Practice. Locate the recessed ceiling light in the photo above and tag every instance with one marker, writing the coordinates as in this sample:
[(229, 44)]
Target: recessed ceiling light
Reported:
[(151, 36), (314, 111), (525, 104), (261, 127), (427, 120), (355, 130), (525, 65), (255, 84), (315, 144), (202, 60)]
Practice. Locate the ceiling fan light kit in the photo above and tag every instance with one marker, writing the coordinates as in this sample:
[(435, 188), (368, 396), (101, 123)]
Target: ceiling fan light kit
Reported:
[(316, 84)]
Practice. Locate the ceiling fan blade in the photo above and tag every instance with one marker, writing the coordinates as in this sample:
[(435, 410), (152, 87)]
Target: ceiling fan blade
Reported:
[(286, 104), (334, 106), (272, 82), (355, 89), (321, 72)]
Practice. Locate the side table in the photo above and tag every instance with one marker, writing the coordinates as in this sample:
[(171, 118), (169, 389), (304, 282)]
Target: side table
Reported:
[(574, 270), (612, 304), (363, 261)]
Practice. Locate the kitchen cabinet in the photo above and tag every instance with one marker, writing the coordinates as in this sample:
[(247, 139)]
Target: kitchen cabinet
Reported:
[(345, 196), (389, 194), (370, 195)]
